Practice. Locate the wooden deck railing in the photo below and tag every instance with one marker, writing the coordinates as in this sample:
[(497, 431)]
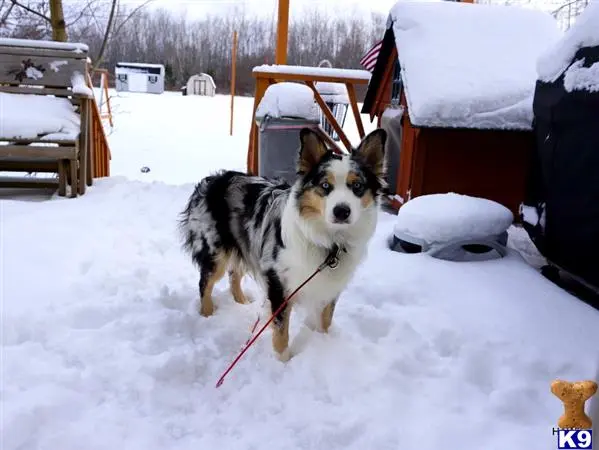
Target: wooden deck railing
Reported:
[(99, 148), (267, 75)]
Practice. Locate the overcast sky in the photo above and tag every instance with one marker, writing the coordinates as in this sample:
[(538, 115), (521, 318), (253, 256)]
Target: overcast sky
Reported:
[(268, 7), (198, 8)]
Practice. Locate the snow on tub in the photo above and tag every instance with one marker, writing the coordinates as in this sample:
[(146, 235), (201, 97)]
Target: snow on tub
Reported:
[(288, 100), (452, 226)]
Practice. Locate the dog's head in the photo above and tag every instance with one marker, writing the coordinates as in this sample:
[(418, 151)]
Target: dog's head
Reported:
[(333, 189)]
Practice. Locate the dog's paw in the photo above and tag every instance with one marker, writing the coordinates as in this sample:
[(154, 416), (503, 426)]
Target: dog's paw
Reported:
[(206, 309), (284, 356), (241, 299)]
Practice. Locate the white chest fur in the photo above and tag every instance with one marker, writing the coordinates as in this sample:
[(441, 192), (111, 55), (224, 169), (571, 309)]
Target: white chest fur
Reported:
[(300, 261)]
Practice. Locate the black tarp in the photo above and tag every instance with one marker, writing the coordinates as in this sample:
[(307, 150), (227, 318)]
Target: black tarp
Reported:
[(564, 183)]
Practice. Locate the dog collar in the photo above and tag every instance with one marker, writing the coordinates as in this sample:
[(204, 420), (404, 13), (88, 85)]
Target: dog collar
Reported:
[(332, 259)]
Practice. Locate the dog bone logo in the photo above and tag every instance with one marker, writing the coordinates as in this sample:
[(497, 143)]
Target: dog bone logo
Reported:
[(574, 396)]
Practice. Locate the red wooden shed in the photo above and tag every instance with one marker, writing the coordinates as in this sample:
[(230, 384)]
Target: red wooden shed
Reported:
[(464, 76)]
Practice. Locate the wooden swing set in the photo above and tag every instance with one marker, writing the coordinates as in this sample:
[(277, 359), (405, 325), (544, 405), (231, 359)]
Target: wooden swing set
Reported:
[(281, 72)]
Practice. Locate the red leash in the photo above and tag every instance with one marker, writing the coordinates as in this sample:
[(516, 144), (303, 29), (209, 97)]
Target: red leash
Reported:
[(332, 260)]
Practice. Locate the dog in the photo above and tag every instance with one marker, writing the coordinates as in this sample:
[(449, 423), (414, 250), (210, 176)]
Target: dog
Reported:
[(279, 233)]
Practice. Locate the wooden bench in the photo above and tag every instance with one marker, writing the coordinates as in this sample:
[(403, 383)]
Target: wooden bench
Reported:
[(45, 109)]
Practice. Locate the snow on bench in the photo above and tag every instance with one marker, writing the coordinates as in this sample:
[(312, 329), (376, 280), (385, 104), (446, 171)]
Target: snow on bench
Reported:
[(436, 221), (471, 66), (44, 106), (29, 117), (291, 100)]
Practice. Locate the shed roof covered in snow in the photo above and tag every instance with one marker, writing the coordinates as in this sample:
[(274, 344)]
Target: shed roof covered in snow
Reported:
[(470, 65), (204, 76)]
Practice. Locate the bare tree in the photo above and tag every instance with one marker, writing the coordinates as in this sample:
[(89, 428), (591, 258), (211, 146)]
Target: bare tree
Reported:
[(59, 26), (116, 33)]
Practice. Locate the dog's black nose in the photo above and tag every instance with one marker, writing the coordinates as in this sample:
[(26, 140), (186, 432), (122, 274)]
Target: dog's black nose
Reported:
[(341, 212)]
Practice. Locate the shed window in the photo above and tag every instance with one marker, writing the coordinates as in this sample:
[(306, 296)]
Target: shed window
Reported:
[(396, 84)]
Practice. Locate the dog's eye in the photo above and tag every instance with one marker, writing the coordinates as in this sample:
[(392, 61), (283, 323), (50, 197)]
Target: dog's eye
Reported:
[(357, 186), (326, 186)]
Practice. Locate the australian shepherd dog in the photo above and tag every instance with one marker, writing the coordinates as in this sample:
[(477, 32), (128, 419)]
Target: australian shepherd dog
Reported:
[(280, 233)]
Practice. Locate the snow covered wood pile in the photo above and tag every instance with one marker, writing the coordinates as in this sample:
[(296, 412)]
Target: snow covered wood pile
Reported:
[(44, 106), (465, 75)]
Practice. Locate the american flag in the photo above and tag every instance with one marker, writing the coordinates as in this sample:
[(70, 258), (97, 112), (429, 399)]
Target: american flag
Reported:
[(368, 61)]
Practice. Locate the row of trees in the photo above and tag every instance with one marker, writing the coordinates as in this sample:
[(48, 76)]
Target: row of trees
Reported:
[(185, 46)]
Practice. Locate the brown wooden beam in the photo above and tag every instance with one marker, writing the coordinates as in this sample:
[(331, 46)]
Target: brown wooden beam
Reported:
[(329, 115), (282, 33), (351, 93)]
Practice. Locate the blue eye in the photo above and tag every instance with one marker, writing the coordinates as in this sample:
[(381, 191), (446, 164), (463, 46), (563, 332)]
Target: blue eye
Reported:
[(326, 186)]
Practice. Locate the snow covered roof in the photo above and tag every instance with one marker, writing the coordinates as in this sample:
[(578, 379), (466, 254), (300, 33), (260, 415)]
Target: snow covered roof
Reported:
[(140, 65), (205, 75), (53, 45), (470, 65), (584, 33)]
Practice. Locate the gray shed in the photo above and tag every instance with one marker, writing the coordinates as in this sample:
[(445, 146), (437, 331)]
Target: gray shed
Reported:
[(139, 77)]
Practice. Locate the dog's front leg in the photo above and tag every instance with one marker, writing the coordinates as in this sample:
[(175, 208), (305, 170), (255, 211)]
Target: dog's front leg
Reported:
[(280, 329), (326, 316), (280, 335)]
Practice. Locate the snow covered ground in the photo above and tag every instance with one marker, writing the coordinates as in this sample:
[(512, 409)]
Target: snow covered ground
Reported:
[(102, 348)]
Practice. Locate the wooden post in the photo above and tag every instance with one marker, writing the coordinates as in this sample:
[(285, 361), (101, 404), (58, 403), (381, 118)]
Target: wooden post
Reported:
[(282, 33), (233, 74)]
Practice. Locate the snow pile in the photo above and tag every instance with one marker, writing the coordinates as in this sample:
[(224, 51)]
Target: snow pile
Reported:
[(584, 33), (50, 45), (448, 217), (353, 74), (470, 66), (333, 92), (580, 78), (80, 86), (33, 116), (393, 111), (56, 65), (530, 215), (292, 100)]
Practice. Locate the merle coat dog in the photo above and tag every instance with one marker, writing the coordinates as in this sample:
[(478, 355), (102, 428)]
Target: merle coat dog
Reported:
[(280, 233)]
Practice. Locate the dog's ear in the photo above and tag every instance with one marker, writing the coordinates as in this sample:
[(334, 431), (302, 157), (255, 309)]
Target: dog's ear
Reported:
[(371, 152), (312, 149)]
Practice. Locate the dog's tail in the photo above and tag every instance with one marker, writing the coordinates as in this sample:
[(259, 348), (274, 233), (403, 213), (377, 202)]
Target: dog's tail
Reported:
[(187, 234)]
